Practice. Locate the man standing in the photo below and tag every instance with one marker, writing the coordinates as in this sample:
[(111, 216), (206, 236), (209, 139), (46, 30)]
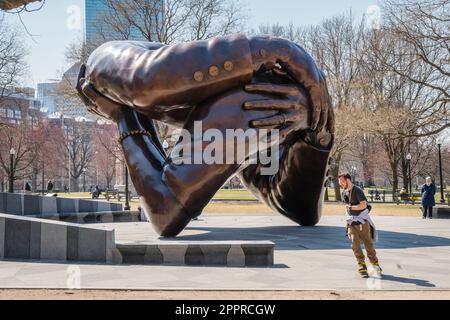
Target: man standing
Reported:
[(360, 227), (428, 191)]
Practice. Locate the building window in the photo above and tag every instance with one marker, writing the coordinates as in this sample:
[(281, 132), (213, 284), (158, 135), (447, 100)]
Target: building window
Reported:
[(17, 114), (9, 113)]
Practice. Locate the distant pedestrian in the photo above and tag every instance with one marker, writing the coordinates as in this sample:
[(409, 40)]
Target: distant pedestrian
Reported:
[(96, 193), (428, 202), (49, 186), (27, 187), (360, 227), (377, 195)]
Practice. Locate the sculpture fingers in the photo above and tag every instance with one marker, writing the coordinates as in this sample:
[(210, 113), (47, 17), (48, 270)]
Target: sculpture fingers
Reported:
[(280, 72), (269, 122), (321, 107), (330, 121), (297, 123), (80, 81), (105, 107), (90, 105), (323, 120), (88, 91), (267, 88), (271, 105)]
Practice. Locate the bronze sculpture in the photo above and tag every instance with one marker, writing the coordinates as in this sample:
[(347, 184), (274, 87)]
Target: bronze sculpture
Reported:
[(226, 82)]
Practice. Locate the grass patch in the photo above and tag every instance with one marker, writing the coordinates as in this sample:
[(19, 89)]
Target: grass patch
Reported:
[(257, 208)]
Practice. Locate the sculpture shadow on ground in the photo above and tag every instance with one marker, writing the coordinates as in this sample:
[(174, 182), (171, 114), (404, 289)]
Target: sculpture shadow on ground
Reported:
[(304, 238)]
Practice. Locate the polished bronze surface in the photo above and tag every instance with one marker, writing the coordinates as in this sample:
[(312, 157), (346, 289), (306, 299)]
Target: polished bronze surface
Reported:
[(265, 82)]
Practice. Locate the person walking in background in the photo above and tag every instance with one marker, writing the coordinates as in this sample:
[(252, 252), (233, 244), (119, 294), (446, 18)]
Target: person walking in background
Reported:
[(428, 202), (360, 227), (49, 186), (27, 187)]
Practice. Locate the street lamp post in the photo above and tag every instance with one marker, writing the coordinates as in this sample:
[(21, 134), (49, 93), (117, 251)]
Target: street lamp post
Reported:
[(353, 173), (11, 170), (127, 194), (84, 179), (43, 177), (408, 158), (440, 174)]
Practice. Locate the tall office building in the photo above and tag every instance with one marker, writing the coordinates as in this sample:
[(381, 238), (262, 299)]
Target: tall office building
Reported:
[(46, 95), (70, 106), (95, 27)]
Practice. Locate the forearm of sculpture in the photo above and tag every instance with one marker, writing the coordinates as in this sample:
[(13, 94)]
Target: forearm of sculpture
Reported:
[(137, 75), (145, 160), (296, 190)]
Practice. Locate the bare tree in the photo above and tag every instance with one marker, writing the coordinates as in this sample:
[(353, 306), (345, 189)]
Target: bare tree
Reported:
[(422, 26), (107, 152), (292, 32), (170, 21), (12, 58), (78, 146), (17, 138)]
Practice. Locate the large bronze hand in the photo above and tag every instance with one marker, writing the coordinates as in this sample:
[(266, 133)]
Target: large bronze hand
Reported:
[(290, 100), (95, 102), (268, 53)]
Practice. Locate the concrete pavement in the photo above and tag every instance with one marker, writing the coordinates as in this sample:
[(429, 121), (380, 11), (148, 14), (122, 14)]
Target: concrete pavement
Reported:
[(414, 253)]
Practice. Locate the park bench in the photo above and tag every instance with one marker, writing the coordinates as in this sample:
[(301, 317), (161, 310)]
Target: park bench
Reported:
[(407, 198), (384, 195), (377, 196), (116, 194)]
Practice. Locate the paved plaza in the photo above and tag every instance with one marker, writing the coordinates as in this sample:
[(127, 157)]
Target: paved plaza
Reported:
[(414, 253)]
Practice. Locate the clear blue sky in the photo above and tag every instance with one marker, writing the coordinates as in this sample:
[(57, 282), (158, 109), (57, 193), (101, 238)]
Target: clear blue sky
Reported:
[(59, 23)]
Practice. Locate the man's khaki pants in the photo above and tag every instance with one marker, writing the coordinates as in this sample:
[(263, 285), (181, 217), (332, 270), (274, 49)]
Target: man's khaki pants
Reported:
[(362, 233)]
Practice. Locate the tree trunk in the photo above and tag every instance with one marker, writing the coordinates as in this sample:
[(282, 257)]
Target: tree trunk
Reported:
[(74, 185), (334, 171), (404, 169), (368, 171), (34, 180), (394, 169), (367, 156)]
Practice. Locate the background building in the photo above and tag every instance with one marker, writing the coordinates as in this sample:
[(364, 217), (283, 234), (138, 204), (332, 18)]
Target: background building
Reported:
[(18, 105), (96, 30), (46, 95), (68, 104)]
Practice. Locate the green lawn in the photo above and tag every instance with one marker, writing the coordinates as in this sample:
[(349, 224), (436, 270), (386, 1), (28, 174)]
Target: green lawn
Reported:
[(234, 194), (222, 194), (330, 208)]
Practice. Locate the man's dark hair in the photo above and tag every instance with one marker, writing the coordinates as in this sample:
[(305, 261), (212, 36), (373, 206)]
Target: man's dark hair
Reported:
[(345, 176)]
